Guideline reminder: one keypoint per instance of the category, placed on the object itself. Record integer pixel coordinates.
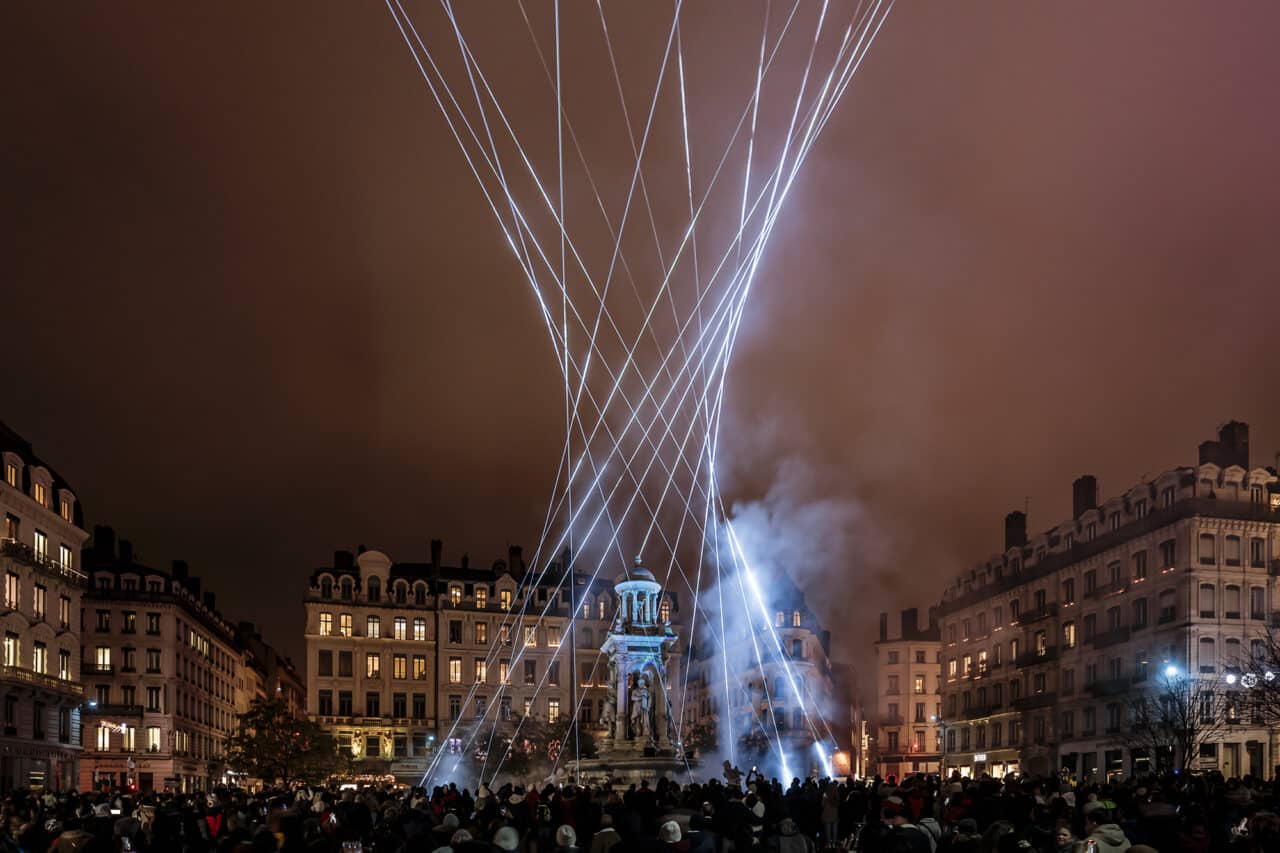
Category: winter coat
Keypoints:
(1110, 838)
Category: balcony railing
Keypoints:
(1032, 616)
(1110, 638)
(1110, 687)
(16, 674)
(1048, 654)
(24, 553)
(1111, 588)
(114, 709)
(975, 712)
(890, 720)
(1038, 700)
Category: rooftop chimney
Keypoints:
(884, 627)
(210, 601)
(104, 542)
(1015, 530)
(1231, 448)
(910, 622)
(126, 552)
(437, 547)
(1084, 495)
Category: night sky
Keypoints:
(255, 309)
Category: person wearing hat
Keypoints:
(566, 839)
(506, 839)
(1100, 827)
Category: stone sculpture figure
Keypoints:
(640, 709)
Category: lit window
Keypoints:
(553, 711)
(65, 509)
(504, 599)
(373, 627)
(40, 494)
(326, 624)
(455, 595)
(12, 590)
(153, 738)
(11, 474)
(104, 737)
(41, 546)
(399, 666)
(40, 658)
(482, 632)
(66, 557)
(795, 618)
(104, 659)
(455, 670)
(482, 670)
(600, 607)
(401, 628)
(779, 619)
(419, 629)
(482, 597)
(372, 665)
(553, 636)
(664, 610)
(531, 636)
(344, 624)
(126, 738)
(419, 667)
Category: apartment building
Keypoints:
(43, 582)
(161, 669)
(908, 696)
(1046, 644)
(406, 658)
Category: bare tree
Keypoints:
(1172, 722)
(1257, 676)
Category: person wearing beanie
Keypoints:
(566, 839)
(506, 839)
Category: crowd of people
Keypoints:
(919, 814)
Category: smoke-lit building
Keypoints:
(1046, 644)
(791, 695)
(160, 674)
(908, 696)
(39, 555)
(407, 658)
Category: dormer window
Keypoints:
(374, 590)
(40, 493)
(455, 595)
(664, 610)
(402, 592)
(347, 589)
(420, 594)
(326, 588)
(11, 474)
(64, 508)
(795, 618)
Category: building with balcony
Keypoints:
(908, 696)
(266, 674)
(160, 674)
(1046, 645)
(43, 583)
(404, 659)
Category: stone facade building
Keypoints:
(43, 582)
(1046, 644)
(161, 672)
(404, 659)
(908, 696)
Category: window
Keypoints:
(1068, 681)
(455, 630)
(64, 612)
(346, 704)
(531, 636)
(1139, 614)
(128, 661)
(40, 493)
(504, 599)
(982, 666)
(455, 707)
(1114, 620)
(1090, 581)
(153, 660)
(1168, 606)
(482, 597)
(419, 629)
(153, 623)
(40, 658)
(795, 619)
(326, 588)
(1257, 553)
(373, 707)
(372, 666)
(153, 699)
(455, 595)
(1257, 602)
(11, 474)
(1207, 549)
(919, 684)
(373, 627)
(419, 667)
(104, 658)
(455, 670)
(420, 594)
(1231, 551)
(481, 670)
(400, 628)
(1090, 626)
(664, 610)
(553, 673)
(1208, 659)
(12, 591)
(153, 736)
(1168, 553)
(951, 668)
(103, 622)
(1207, 607)
(64, 664)
(482, 633)
(104, 738)
(41, 546)
(1140, 565)
(1231, 602)
(326, 624)
(1069, 634)
(919, 657)
(530, 672)
(1206, 713)
(419, 706)
(553, 710)
(1140, 508)
(553, 636)
(892, 657)
(400, 669)
(66, 557)
(374, 590)
(893, 685)
(344, 624)
(346, 665)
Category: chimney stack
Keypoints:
(1231, 448)
(1084, 495)
(910, 622)
(884, 627)
(210, 601)
(104, 542)
(437, 547)
(126, 552)
(1015, 530)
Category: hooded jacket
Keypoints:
(1110, 838)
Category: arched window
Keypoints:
(402, 592)
(664, 609)
(420, 593)
(795, 618)
(1231, 602)
(347, 589)
(586, 607)
(1208, 655)
(1208, 609)
(326, 587)
(373, 589)
(778, 619)
(600, 606)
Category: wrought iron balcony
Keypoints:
(1048, 654)
(24, 553)
(1038, 700)
(1030, 617)
(29, 678)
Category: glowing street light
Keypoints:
(1170, 671)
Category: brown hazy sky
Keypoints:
(255, 310)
